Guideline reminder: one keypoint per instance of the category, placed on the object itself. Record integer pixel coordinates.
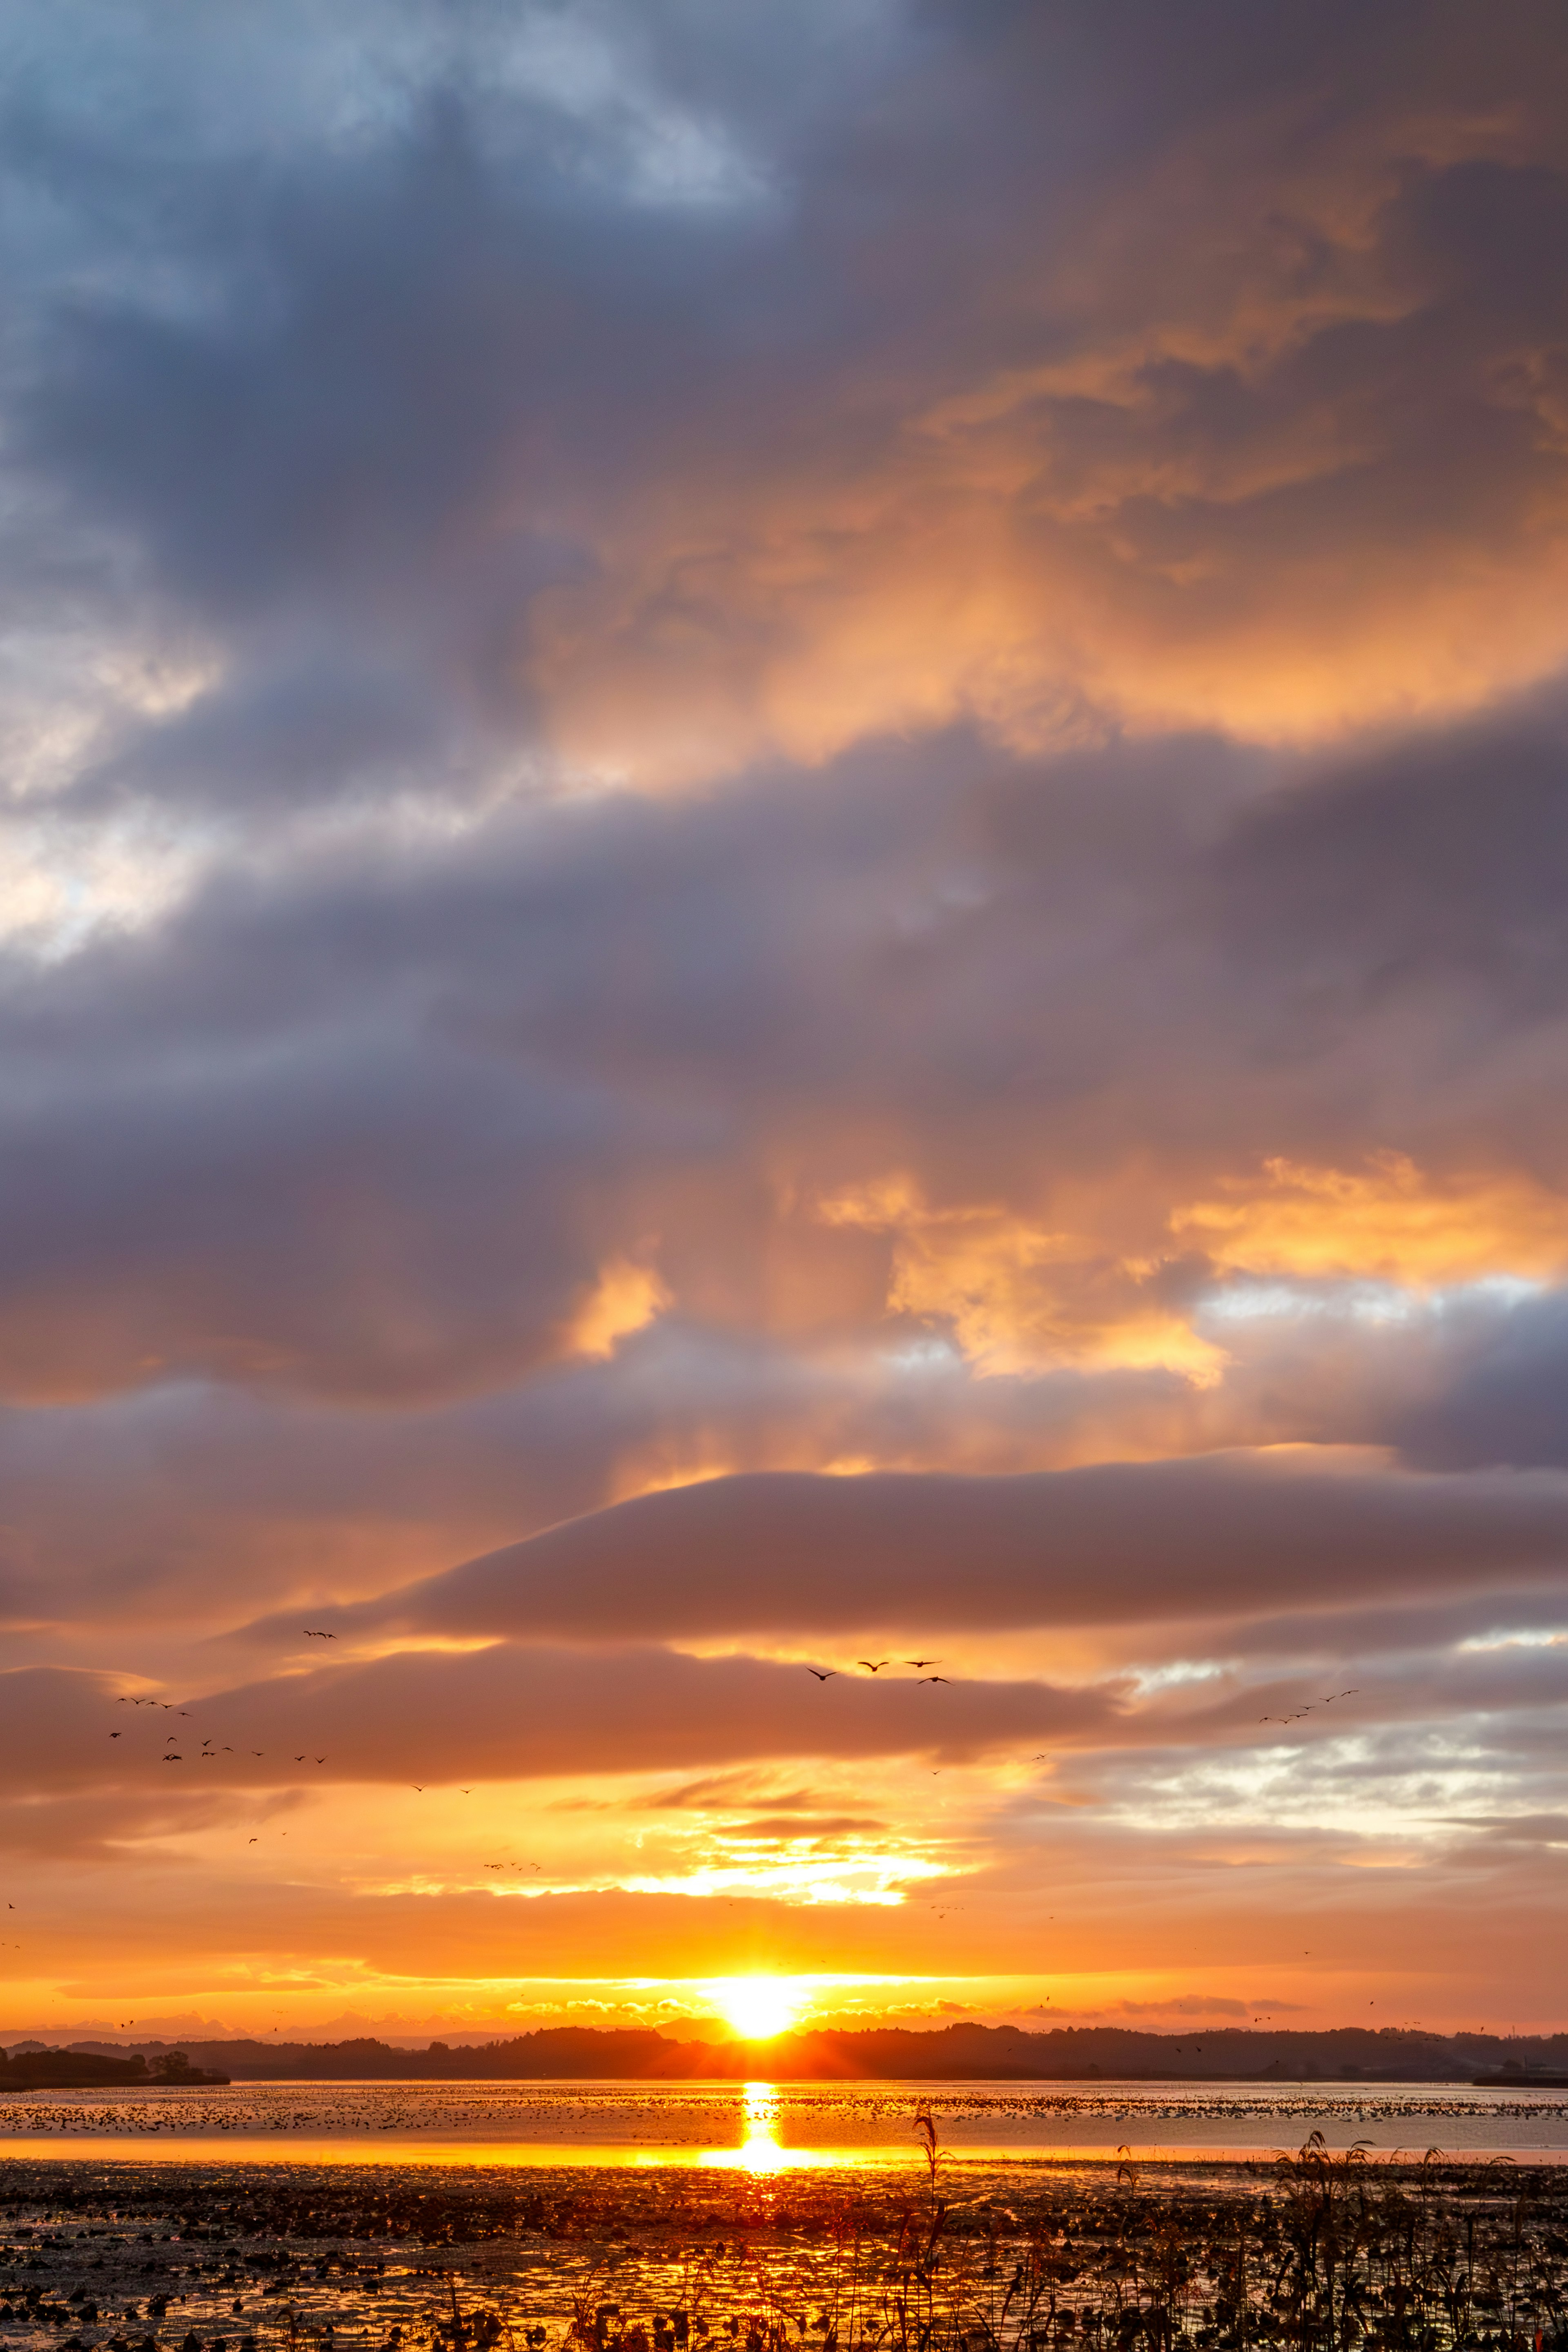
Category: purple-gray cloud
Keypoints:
(739, 745)
(787, 1552)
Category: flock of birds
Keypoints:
(211, 1749)
(875, 1666)
(1302, 1712)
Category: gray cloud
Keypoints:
(787, 1551)
(508, 1713)
(1067, 509)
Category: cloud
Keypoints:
(1018, 1299)
(564, 381)
(506, 1712)
(778, 1552)
(1386, 1222)
(784, 1037)
(740, 746)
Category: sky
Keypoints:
(785, 809)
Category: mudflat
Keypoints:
(1319, 2249)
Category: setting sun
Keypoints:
(756, 2008)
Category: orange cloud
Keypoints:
(626, 1298)
(1389, 1222)
(1240, 478)
(1019, 1298)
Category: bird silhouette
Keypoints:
(173, 1760)
(114, 1734)
(934, 1678)
(320, 1759)
(822, 1676)
(918, 1663)
(299, 1760)
(314, 1633)
(251, 1840)
(418, 1786)
(871, 1669)
(462, 1792)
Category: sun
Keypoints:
(756, 2008)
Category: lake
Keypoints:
(765, 2126)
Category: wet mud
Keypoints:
(1320, 2250)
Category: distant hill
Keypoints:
(31, 2067)
(953, 2053)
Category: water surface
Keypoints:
(763, 2126)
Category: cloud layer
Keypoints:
(784, 819)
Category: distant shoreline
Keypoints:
(1088, 2055)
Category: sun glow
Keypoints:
(756, 2008)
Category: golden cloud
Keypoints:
(1018, 1298)
(1389, 1220)
(626, 1298)
(1271, 470)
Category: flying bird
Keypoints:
(871, 1669)
(299, 1760)
(918, 1663)
(822, 1676)
(114, 1734)
(314, 1633)
(251, 1840)
(934, 1678)
(320, 1759)
(418, 1786)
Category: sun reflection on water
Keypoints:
(761, 2149)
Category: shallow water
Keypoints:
(299, 2255)
(760, 2127)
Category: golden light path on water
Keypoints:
(762, 2151)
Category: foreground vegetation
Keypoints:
(1318, 2252)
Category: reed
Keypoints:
(1330, 2253)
